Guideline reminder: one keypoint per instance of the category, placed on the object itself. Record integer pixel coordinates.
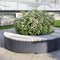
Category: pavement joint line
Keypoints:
(32, 57)
(10, 56)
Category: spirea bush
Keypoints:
(34, 22)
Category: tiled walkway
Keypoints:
(9, 55)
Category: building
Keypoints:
(21, 4)
(8, 8)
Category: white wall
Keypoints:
(21, 6)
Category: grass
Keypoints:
(57, 23)
(6, 27)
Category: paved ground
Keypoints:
(9, 55)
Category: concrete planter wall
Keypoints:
(33, 44)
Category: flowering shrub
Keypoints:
(34, 22)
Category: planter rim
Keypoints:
(27, 38)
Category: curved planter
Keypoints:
(32, 44)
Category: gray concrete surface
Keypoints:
(9, 55)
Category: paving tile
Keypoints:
(2, 50)
(2, 57)
(6, 55)
(43, 57)
(22, 56)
